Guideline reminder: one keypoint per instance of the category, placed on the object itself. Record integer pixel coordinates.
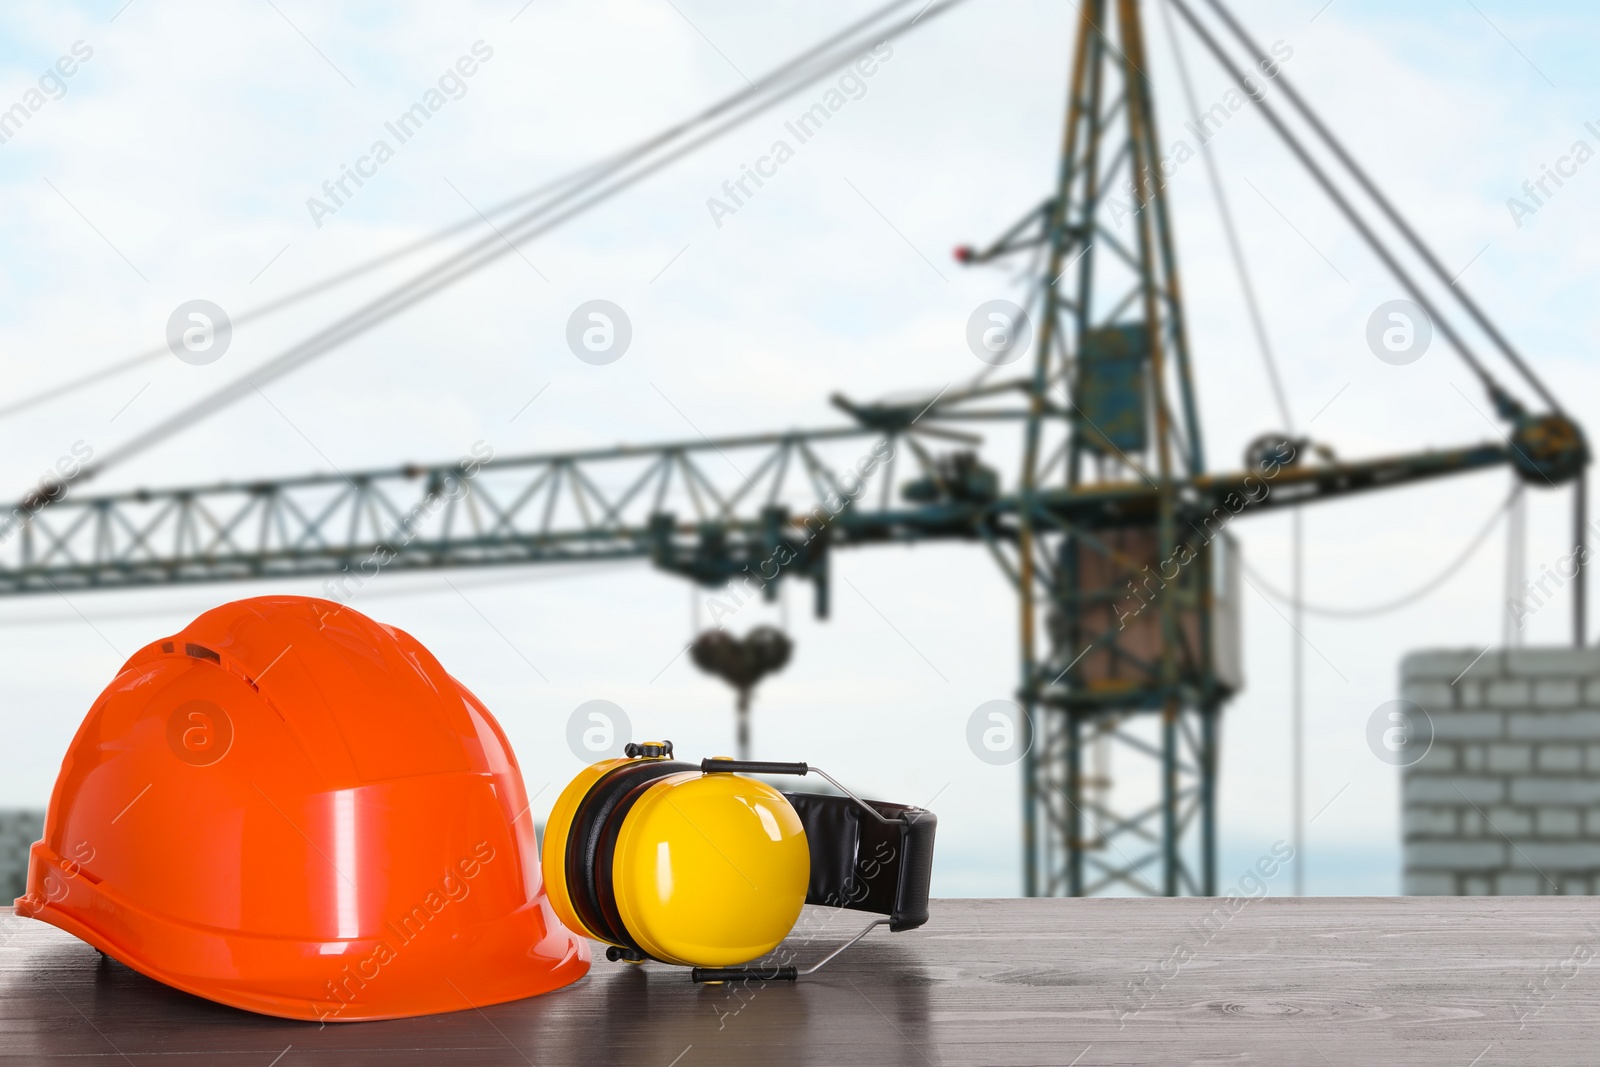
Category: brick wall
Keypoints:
(18, 830)
(1507, 800)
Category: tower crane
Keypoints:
(1113, 531)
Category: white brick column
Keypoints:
(1507, 801)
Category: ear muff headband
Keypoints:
(588, 890)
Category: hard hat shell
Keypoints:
(689, 868)
(293, 809)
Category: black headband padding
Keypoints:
(860, 863)
(598, 809)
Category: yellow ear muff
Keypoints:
(710, 869)
(705, 868)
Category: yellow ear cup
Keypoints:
(553, 852)
(710, 870)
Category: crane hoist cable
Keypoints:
(825, 54)
(1417, 594)
(1354, 217)
(1507, 406)
(1297, 533)
(1230, 231)
(1387, 207)
(502, 242)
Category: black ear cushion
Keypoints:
(589, 844)
(605, 858)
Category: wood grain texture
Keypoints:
(1318, 981)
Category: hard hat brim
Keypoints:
(519, 955)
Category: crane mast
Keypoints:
(1111, 399)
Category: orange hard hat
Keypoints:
(293, 809)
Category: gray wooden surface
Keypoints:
(1328, 982)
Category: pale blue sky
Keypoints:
(193, 138)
